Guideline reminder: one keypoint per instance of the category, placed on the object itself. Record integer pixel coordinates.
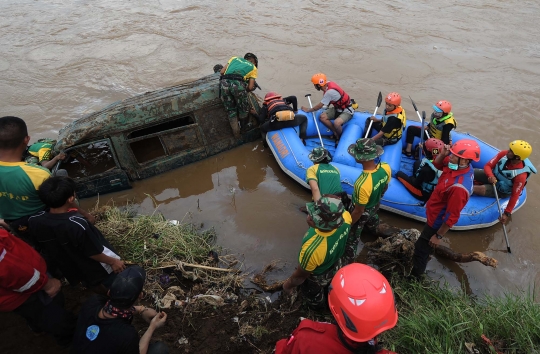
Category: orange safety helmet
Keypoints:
(443, 106)
(466, 149)
(393, 98)
(271, 96)
(433, 147)
(362, 302)
(319, 79)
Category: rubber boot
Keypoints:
(244, 124)
(235, 127)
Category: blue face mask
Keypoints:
(453, 166)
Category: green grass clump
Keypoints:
(437, 319)
(151, 240)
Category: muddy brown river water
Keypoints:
(62, 59)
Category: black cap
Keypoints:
(127, 287)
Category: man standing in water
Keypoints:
(450, 196)
(237, 79)
(322, 247)
(368, 191)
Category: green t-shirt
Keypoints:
(321, 250)
(41, 150)
(327, 177)
(369, 186)
(242, 67)
(19, 183)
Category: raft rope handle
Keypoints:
(299, 164)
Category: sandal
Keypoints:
(406, 153)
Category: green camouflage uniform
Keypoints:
(328, 214)
(233, 87)
(235, 98)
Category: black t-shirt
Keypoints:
(67, 241)
(391, 124)
(94, 335)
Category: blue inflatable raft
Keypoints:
(292, 157)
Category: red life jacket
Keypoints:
(344, 101)
(277, 105)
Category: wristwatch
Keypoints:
(507, 213)
(439, 236)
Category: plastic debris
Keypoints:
(214, 300)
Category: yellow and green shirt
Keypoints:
(327, 178)
(242, 67)
(41, 150)
(321, 250)
(19, 183)
(369, 187)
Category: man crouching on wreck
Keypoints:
(237, 79)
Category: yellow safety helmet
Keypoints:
(521, 148)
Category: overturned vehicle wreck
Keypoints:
(149, 134)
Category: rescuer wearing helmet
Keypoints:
(237, 79)
(441, 124)
(322, 248)
(422, 183)
(276, 113)
(342, 110)
(362, 303)
(392, 124)
(508, 171)
(449, 197)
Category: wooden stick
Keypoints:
(197, 266)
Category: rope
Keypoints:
(299, 164)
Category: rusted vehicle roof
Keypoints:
(149, 134)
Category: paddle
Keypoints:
(379, 101)
(422, 136)
(420, 118)
(500, 214)
(314, 119)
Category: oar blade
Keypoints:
(379, 99)
(414, 104)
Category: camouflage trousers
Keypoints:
(315, 288)
(235, 98)
(370, 221)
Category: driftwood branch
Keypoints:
(395, 248)
(171, 265)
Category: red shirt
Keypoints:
(447, 200)
(22, 271)
(518, 181)
(316, 337)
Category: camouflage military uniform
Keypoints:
(323, 247)
(370, 221)
(235, 98)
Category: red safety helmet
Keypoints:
(443, 106)
(466, 149)
(362, 302)
(319, 79)
(271, 96)
(393, 98)
(433, 147)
